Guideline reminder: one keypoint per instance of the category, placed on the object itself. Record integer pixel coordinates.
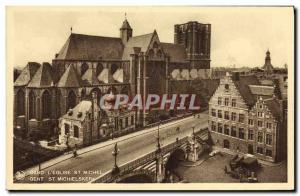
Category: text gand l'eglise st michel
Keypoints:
(59, 102)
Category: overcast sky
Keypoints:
(239, 36)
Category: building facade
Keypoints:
(80, 125)
(246, 117)
(85, 64)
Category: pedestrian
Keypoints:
(225, 169)
(75, 151)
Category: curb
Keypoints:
(65, 157)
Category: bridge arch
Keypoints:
(175, 157)
(138, 176)
(172, 163)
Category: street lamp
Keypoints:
(158, 139)
(159, 159)
(115, 153)
(194, 145)
(194, 133)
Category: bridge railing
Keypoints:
(144, 159)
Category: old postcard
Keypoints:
(150, 98)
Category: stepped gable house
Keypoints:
(126, 64)
(247, 117)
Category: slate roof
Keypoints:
(274, 106)
(79, 111)
(119, 75)
(262, 90)
(141, 41)
(89, 47)
(105, 76)
(89, 78)
(70, 78)
(242, 84)
(176, 52)
(125, 25)
(44, 77)
(27, 74)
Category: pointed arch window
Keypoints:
(151, 53)
(46, 105)
(20, 105)
(114, 68)
(59, 101)
(159, 54)
(71, 100)
(84, 67)
(99, 68)
(32, 107)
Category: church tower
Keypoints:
(268, 67)
(195, 37)
(125, 31)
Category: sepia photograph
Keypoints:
(150, 98)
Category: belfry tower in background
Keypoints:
(196, 39)
(268, 67)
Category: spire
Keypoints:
(125, 31)
(71, 29)
(126, 25)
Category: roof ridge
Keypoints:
(142, 35)
(87, 35)
(171, 43)
(91, 47)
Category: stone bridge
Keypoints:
(152, 167)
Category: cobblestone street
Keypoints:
(212, 170)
